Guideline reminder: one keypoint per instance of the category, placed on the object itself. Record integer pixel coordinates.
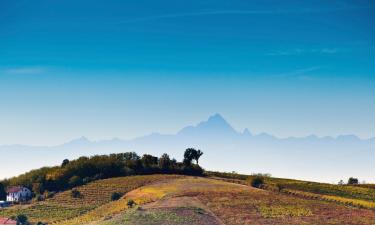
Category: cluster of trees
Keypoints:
(351, 181)
(47, 180)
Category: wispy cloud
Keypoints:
(25, 70)
(302, 74)
(241, 12)
(299, 51)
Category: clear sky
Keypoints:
(104, 69)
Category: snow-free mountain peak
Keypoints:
(77, 142)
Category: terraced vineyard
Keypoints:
(63, 206)
(346, 191)
(354, 195)
(215, 202)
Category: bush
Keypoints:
(352, 181)
(257, 181)
(115, 196)
(76, 194)
(87, 180)
(280, 187)
(39, 197)
(21, 219)
(131, 203)
(75, 181)
(49, 194)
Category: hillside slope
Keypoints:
(207, 201)
(93, 195)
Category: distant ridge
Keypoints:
(225, 149)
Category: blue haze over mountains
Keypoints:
(325, 159)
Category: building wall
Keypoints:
(15, 197)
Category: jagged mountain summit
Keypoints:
(215, 125)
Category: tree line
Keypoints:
(69, 174)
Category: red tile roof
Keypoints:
(7, 221)
(14, 189)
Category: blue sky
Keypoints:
(106, 69)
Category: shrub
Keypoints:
(76, 194)
(352, 181)
(39, 197)
(257, 181)
(75, 181)
(86, 180)
(49, 194)
(115, 196)
(131, 203)
(280, 187)
(21, 219)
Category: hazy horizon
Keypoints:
(222, 145)
(194, 124)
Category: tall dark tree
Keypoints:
(192, 154)
(149, 160)
(189, 156)
(65, 162)
(165, 161)
(130, 156)
(197, 155)
(3, 193)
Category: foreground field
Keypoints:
(207, 201)
(183, 200)
(93, 195)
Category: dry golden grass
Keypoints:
(233, 204)
(239, 204)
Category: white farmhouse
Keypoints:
(18, 194)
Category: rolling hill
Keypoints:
(215, 199)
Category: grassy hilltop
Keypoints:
(180, 198)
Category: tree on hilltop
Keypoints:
(65, 162)
(352, 181)
(165, 161)
(192, 154)
(198, 154)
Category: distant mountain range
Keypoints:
(225, 149)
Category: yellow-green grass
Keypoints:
(95, 194)
(346, 201)
(360, 192)
(283, 211)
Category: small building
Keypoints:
(18, 194)
(6, 221)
